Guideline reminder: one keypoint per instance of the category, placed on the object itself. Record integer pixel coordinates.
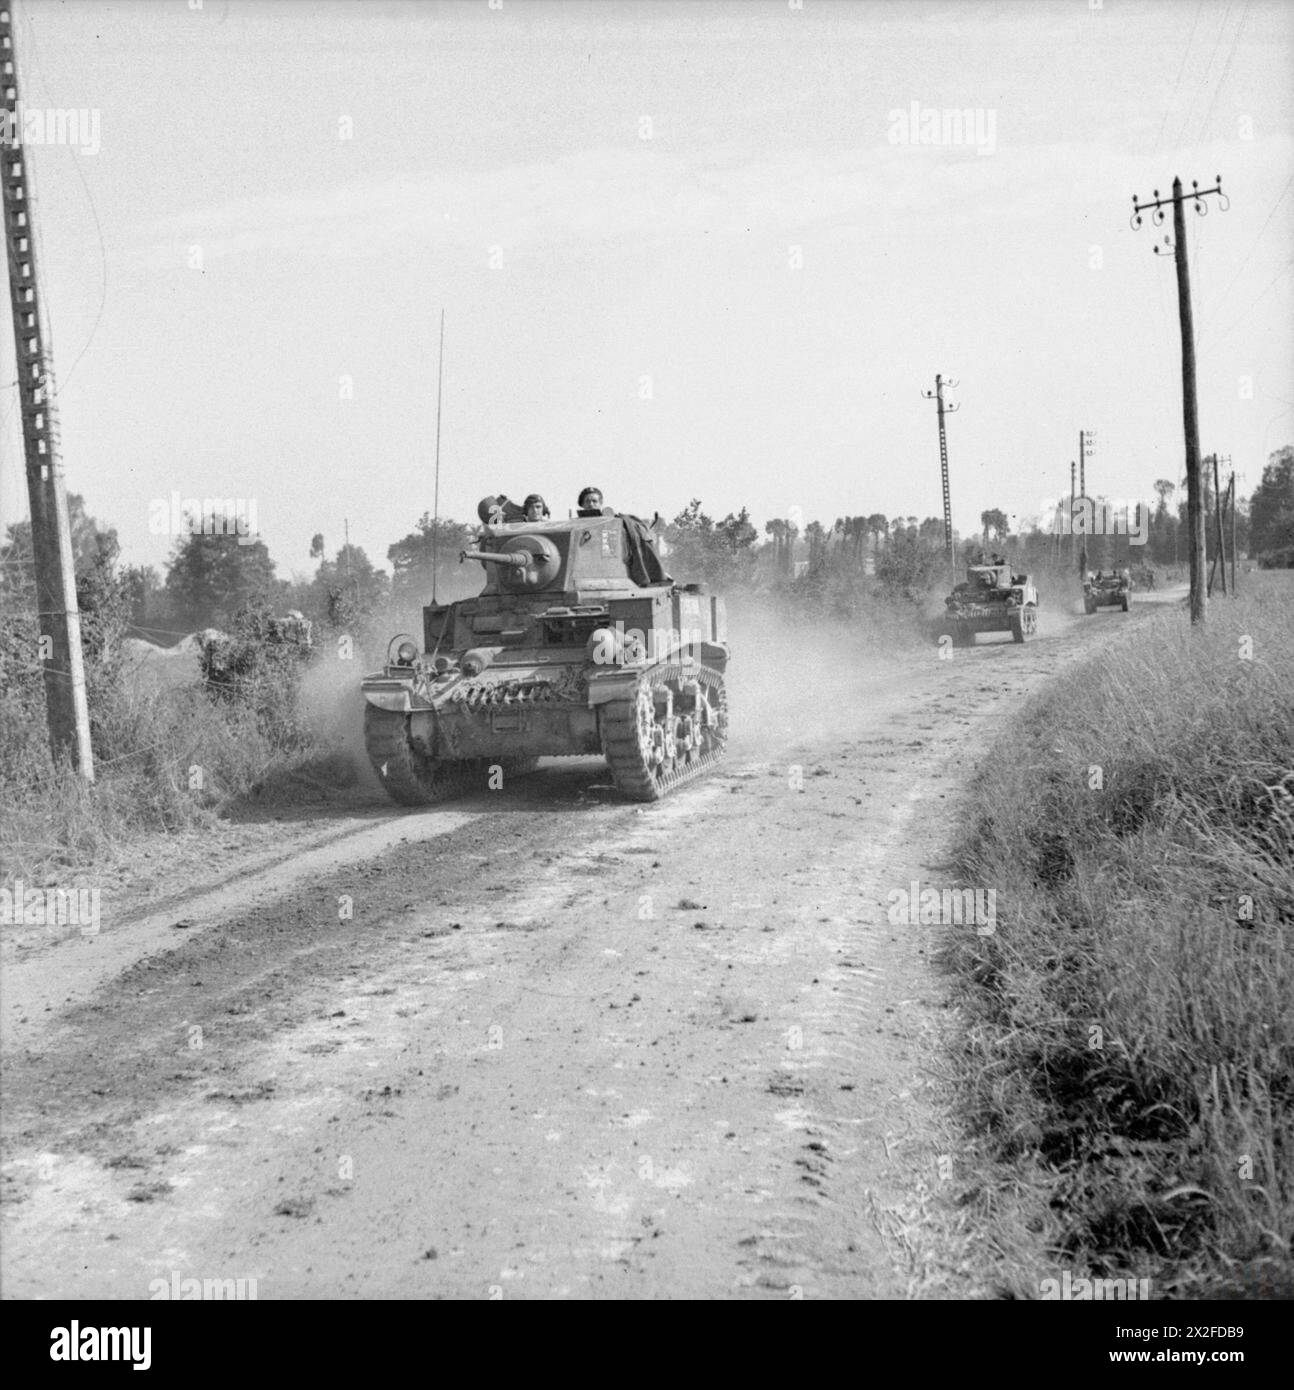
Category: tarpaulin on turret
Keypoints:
(640, 553)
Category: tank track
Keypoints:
(634, 734)
(412, 779)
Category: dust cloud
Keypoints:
(790, 681)
(793, 680)
(332, 710)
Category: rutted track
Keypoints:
(568, 1047)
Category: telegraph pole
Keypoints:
(1084, 448)
(1219, 505)
(937, 395)
(1231, 495)
(59, 620)
(1073, 482)
(1190, 413)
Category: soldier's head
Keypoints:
(536, 507)
(590, 500)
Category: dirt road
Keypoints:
(541, 1044)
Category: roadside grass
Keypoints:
(1127, 1056)
(168, 759)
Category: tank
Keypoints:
(1107, 589)
(992, 598)
(579, 643)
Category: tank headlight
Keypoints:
(406, 654)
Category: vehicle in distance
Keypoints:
(1107, 589)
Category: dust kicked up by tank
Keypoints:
(646, 655)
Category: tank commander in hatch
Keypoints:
(536, 507)
(589, 502)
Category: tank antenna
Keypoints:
(435, 531)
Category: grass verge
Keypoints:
(1128, 1050)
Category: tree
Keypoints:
(411, 557)
(1271, 508)
(994, 520)
(210, 577)
(348, 589)
(1163, 539)
(736, 532)
(783, 534)
(718, 552)
(17, 566)
(908, 564)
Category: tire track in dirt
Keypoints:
(503, 1062)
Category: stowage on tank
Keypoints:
(578, 644)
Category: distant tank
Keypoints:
(579, 643)
(1107, 589)
(991, 599)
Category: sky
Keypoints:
(683, 249)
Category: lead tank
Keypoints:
(578, 644)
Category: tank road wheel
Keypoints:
(669, 730)
(1024, 623)
(410, 777)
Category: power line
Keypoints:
(1280, 275)
(1288, 185)
(94, 213)
(1186, 53)
(1204, 81)
(1231, 53)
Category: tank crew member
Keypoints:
(536, 507)
(589, 502)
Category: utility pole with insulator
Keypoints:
(937, 395)
(1190, 413)
(1084, 448)
(58, 618)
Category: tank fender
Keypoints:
(611, 684)
(392, 694)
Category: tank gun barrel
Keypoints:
(516, 560)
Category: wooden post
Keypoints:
(59, 620)
(1217, 514)
(1231, 494)
(1190, 413)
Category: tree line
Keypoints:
(208, 578)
